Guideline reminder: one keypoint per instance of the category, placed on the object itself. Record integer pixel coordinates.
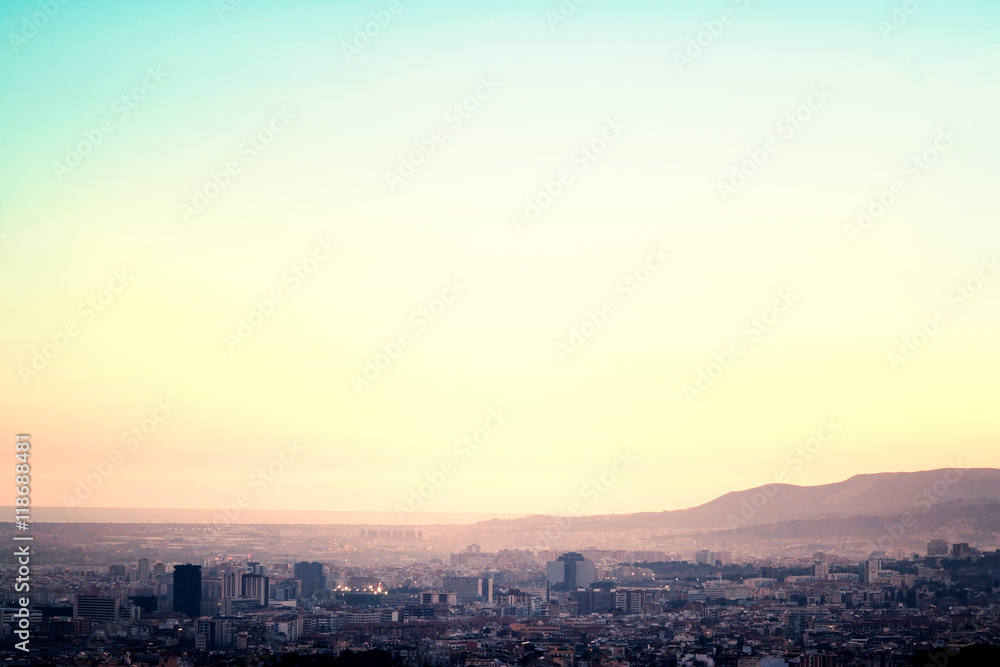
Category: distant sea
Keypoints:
(252, 516)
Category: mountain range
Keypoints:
(857, 506)
(872, 495)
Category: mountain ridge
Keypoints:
(865, 494)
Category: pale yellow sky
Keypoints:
(317, 267)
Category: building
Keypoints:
(470, 589)
(797, 624)
(145, 603)
(240, 606)
(288, 589)
(96, 608)
(516, 598)
(821, 570)
(256, 587)
(572, 570)
(209, 636)
(593, 601)
(116, 572)
(229, 585)
(142, 570)
(362, 617)
(871, 568)
(937, 547)
(11, 616)
(630, 600)
(963, 549)
(311, 576)
(707, 557)
(187, 590)
(435, 597)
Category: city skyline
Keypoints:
(386, 598)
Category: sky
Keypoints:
(495, 257)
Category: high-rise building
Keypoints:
(211, 593)
(937, 547)
(256, 587)
(470, 589)
(797, 624)
(311, 576)
(187, 590)
(961, 549)
(871, 567)
(289, 589)
(821, 570)
(116, 572)
(230, 585)
(96, 608)
(142, 570)
(571, 569)
(159, 569)
(708, 557)
(209, 636)
(593, 601)
(629, 600)
(145, 603)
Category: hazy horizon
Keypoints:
(153, 514)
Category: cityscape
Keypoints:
(506, 333)
(190, 594)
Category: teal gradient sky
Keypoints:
(163, 335)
